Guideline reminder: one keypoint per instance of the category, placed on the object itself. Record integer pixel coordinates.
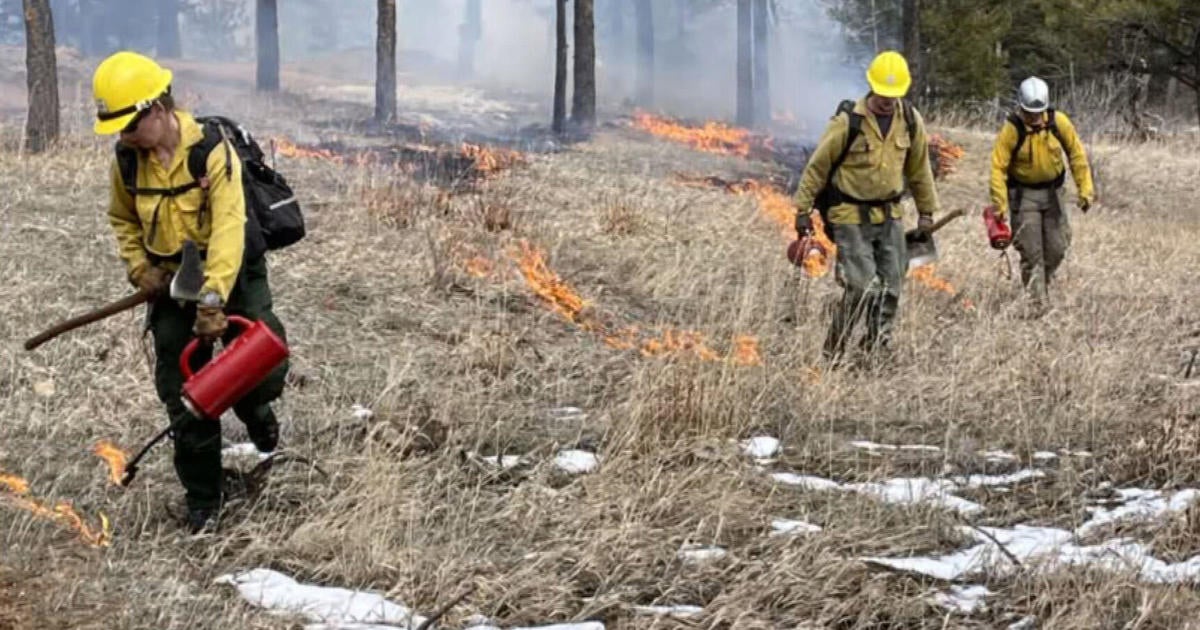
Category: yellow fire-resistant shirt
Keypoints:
(214, 219)
(1040, 160)
(876, 167)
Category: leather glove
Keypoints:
(1085, 204)
(925, 224)
(210, 323)
(151, 279)
(803, 224)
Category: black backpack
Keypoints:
(273, 216)
(1052, 126)
(830, 196)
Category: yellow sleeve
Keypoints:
(1080, 170)
(821, 161)
(122, 215)
(227, 205)
(918, 171)
(1002, 149)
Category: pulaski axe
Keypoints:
(922, 250)
(185, 285)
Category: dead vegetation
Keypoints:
(406, 300)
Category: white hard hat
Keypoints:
(1034, 95)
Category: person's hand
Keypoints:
(1085, 204)
(210, 323)
(803, 224)
(151, 279)
(925, 224)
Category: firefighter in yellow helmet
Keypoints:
(1028, 172)
(870, 152)
(155, 205)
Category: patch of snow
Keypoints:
(911, 491)
(1070, 453)
(998, 457)
(321, 604)
(873, 446)
(576, 462)
(963, 599)
(1045, 456)
(1139, 505)
(678, 612)
(981, 481)
(361, 413)
(783, 526)
(695, 554)
(1024, 623)
(761, 447)
(1045, 548)
(807, 482)
(243, 450)
(568, 413)
(900, 490)
(587, 625)
(505, 462)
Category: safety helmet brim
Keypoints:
(114, 126)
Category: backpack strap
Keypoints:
(910, 120)
(853, 131)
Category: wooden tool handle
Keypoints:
(107, 310)
(950, 216)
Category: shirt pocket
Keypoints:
(860, 153)
(194, 216)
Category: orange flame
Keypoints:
(548, 286)
(287, 148)
(745, 351)
(490, 161)
(782, 210)
(948, 155)
(18, 495)
(564, 300)
(926, 276)
(479, 266)
(114, 457)
(713, 137)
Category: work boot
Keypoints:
(264, 433)
(201, 520)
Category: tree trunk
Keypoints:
(385, 63)
(560, 65)
(583, 104)
(644, 14)
(168, 29)
(762, 63)
(745, 64)
(469, 33)
(910, 25)
(267, 35)
(41, 68)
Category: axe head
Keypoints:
(189, 279)
(921, 249)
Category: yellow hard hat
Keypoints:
(124, 84)
(888, 75)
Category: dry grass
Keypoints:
(383, 313)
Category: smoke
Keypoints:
(811, 65)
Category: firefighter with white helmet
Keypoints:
(1030, 158)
